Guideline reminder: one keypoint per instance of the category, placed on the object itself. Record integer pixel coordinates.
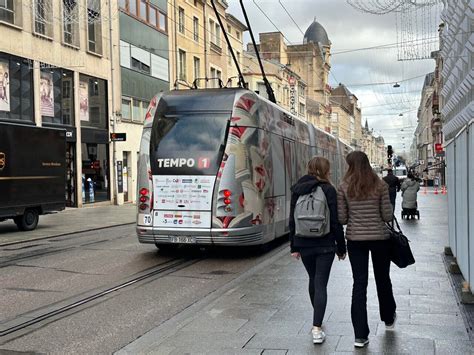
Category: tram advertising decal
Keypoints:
(183, 192)
(182, 219)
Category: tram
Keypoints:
(216, 167)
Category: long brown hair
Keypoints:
(362, 182)
(320, 168)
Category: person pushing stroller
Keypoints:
(410, 188)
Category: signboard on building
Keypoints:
(4, 86)
(46, 94)
(292, 82)
(119, 176)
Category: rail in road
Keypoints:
(25, 321)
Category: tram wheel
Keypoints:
(28, 221)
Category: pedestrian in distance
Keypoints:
(410, 188)
(393, 183)
(316, 234)
(364, 205)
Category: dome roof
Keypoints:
(316, 34)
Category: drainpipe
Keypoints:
(176, 65)
(205, 41)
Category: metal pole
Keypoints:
(114, 118)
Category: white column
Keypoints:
(36, 93)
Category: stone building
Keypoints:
(58, 60)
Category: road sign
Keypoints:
(118, 137)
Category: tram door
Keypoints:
(290, 175)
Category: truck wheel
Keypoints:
(28, 221)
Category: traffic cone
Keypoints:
(424, 190)
(443, 190)
(436, 190)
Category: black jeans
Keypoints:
(359, 258)
(318, 263)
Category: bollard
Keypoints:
(424, 190)
(443, 190)
(436, 190)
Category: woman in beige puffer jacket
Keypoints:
(364, 205)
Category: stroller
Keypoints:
(410, 188)
(410, 213)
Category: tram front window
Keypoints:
(188, 144)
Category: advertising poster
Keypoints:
(4, 86)
(46, 94)
(181, 192)
(84, 101)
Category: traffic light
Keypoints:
(389, 155)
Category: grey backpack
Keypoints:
(312, 216)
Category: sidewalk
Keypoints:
(71, 220)
(267, 310)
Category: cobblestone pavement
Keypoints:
(267, 310)
(71, 220)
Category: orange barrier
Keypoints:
(443, 190)
(436, 190)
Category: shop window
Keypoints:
(56, 96)
(10, 12)
(95, 177)
(93, 102)
(16, 89)
(94, 27)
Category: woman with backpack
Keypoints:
(324, 236)
(364, 205)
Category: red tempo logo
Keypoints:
(204, 163)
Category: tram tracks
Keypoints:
(26, 322)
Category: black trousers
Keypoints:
(318, 265)
(359, 258)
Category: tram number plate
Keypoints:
(182, 239)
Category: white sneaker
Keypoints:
(318, 336)
(361, 342)
(391, 326)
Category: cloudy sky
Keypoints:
(368, 73)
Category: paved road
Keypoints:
(43, 275)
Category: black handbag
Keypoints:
(400, 251)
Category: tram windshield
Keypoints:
(188, 144)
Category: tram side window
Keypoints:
(278, 160)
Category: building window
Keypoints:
(132, 57)
(16, 95)
(197, 68)
(94, 33)
(93, 102)
(8, 11)
(229, 55)
(181, 20)
(237, 33)
(134, 109)
(145, 12)
(196, 29)
(56, 96)
(212, 26)
(229, 30)
(70, 24)
(218, 35)
(43, 16)
(182, 65)
(140, 60)
(334, 117)
(126, 108)
(301, 110)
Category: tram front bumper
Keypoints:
(214, 236)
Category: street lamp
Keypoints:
(396, 85)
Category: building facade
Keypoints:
(288, 87)
(56, 72)
(311, 62)
(346, 116)
(373, 146)
(197, 44)
(142, 72)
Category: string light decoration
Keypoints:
(45, 11)
(416, 24)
